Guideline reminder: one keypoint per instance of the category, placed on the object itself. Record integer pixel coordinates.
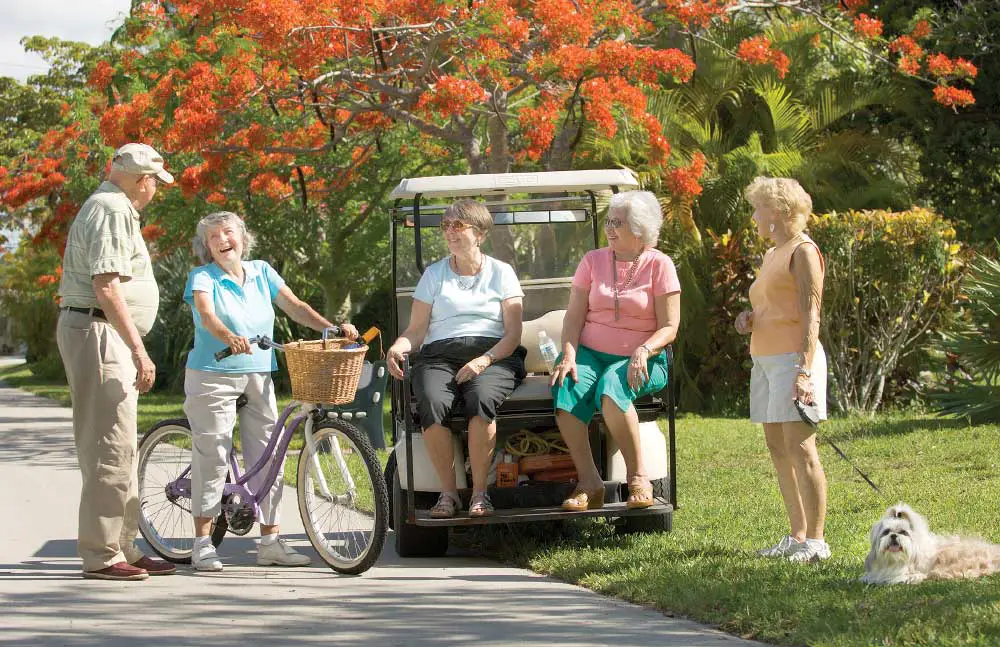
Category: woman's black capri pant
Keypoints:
(438, 393)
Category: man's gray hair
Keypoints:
(641, 211)
(199, 244)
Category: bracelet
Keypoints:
(649, 351)
(803, 371)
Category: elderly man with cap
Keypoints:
(109, 302)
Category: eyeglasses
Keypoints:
(614, 223)
(455, 225)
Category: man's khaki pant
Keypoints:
(102, 385)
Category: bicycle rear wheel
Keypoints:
(343, 499)
(165, 520)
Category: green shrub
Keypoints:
(29, 278)
(891, 281)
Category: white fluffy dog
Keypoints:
(904, 550)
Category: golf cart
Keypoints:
(543, 225)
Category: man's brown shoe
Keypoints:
(155, 566)
(120, 571)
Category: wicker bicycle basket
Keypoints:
(324, 371)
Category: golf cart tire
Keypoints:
(650, 523)
(412, 541)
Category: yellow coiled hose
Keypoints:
(528, 443)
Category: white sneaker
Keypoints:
(783, 548)
(813, 550)
(206, 559)
(280, 554)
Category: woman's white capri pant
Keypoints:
(210, 406)
(772, 386)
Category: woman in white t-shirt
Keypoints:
(466, 323)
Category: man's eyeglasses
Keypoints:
(614, 223)
(454, 225)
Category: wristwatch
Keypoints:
(804, 371)
(493, 358)
(649, 351)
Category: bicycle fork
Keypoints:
(338, 455)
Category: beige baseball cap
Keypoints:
(141, 159)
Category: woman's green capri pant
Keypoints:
(601, 374)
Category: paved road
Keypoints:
(452, 601)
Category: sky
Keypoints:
(90, 21)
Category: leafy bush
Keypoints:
(172, 336)
(975, 344)
(891, 280)
(30, 281)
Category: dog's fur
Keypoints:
(904, 550)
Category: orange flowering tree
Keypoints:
(301, 115)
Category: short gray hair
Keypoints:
(199, 244)
(641, 211)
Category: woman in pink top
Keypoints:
(788, 360)
(623, 310)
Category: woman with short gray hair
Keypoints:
(232, 298)
(623, 311)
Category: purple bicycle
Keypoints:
(342, 496)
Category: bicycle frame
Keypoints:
(277, 447)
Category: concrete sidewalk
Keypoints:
(452, 601)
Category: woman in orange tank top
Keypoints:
(789, 365)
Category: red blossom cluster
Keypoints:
(451, 96)
(906, 46)
(561, 23)
(100, 77)
(685, 181)
(539, 126)
(867, 27)
(758, 50)
(921, 30)
(940, 65)
(699, 13)
(953, 97)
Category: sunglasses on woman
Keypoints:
(455, 225)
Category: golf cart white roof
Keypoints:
(447, 186)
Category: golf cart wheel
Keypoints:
(411, 540)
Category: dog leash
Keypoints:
(856, 468)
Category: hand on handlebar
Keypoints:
(239, 345)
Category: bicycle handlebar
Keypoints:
(263, 342)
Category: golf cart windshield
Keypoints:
(541, 238)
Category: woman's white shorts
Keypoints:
(772, 386)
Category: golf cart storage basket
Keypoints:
(323, 371)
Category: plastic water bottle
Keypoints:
(548, 349)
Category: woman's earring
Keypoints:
(771, 228)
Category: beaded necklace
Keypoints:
(628, 277)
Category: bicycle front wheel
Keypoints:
(164, 473)
(343, 499)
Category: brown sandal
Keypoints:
(582, 500)
(640, 496)
(447, 505)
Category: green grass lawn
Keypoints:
(729, 507)
(706, 568)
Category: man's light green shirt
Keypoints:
(106, 238)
